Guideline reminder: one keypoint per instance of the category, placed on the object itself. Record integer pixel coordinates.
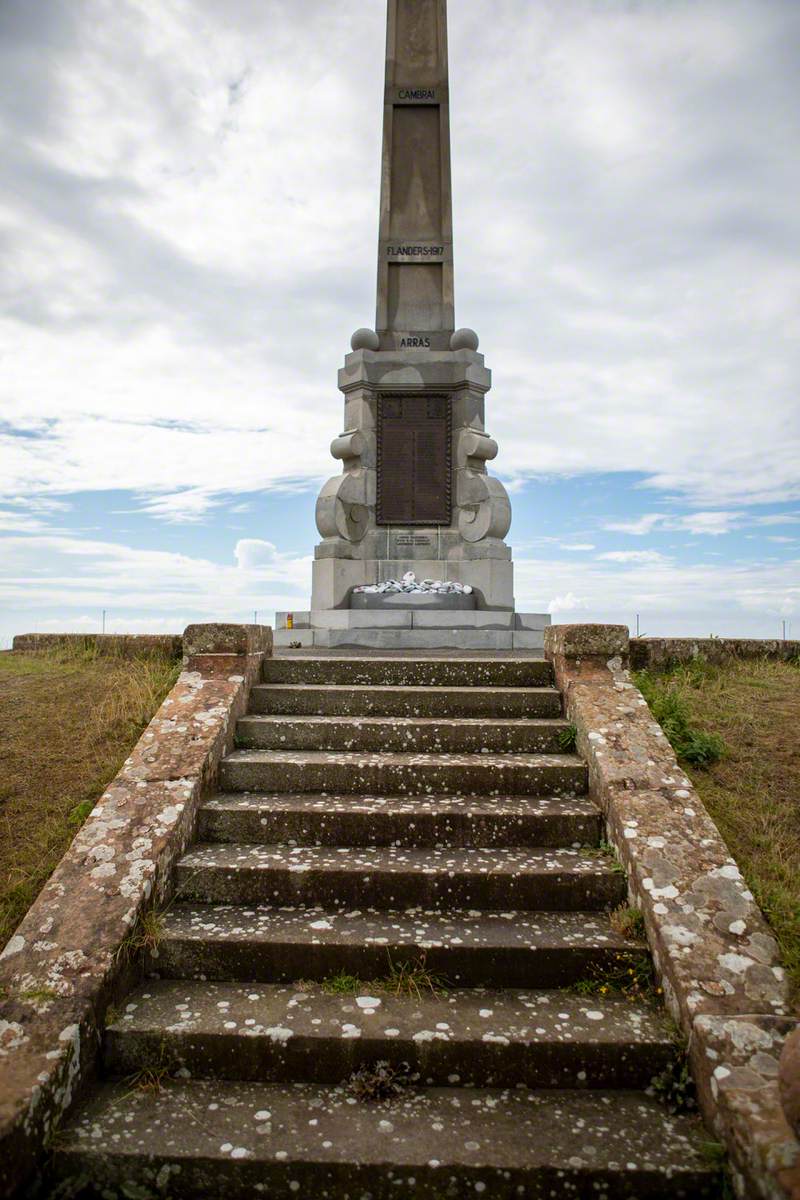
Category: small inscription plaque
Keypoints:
(415, 95)
(407, 541)
(414, 460)
(412, 250)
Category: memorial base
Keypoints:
(412, 629)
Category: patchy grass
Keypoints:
(413, 978)
(753, 791)
(402, 979)
(144, 937)
(628, 922)
(629, 976)
(674, 1086)
(567, 738)
(153, 1076)
(669, 704)
(606, 851)
(342, 984)
(69, 719)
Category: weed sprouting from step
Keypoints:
(716, 1155)
(568, 738)
(629, 976)
(674, 1087)
(380, 1081)
(605, 850)
(413, 978)
(342, 984)
(145, 936)
(151, 1077)
(628, 922)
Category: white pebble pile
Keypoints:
(410, 583)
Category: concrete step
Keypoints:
(410, 735)
(340, 699)
(462, 774)
(386, 877)
(475, 1038)
(197, 1138)
(314, 819)
(469, 948)
(409, 672)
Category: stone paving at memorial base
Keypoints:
(237, 1065)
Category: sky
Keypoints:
(188, 237)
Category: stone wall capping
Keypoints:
(661, 653)
(715, 955)
(68, 960)
(226, 639)
(113, 645)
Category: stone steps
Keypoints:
(390, 816)
(475, 1038)
(410, 672)
(385, 877)
(468, 948)
(327, 770)
(314, 819)
(408, 735)
(200, 1138)
(353, 699)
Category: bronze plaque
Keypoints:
(414, 460)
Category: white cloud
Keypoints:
(710, 523)
(190, 238)
(251, 553)
(567, 603)
(633, 556)
(577, 546)
(638, 527)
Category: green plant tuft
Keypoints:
(568, 738)
(628, 922)
(668, 704)
(674, 1087)
(631, 976)
(342, 984)
(413, 978)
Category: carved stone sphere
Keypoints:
(464, 339)
(365, 339)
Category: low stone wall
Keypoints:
(715, 955)
(658, 654)
(113, 645)
(69, 957)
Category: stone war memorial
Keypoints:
(424, 907)
(415, 500)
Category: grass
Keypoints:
(342, 984)
(402, 979)
(629, 976)
(152, 1076)
(567, 738)
(69, 719)
(753, 790)
(669, 704)
(628, 922)
(607, 851)
(144, 937)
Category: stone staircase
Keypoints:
(383, 812)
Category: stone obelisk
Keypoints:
(415, 307)
(414, 493)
